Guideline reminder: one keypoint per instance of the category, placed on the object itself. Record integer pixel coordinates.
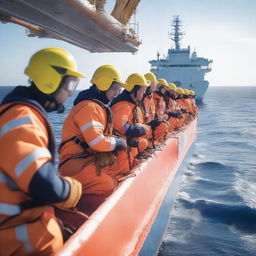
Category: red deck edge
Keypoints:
(121, 224)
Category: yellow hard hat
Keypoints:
(105, 75)
(151, 77)
(180, 90)
(47, 67)
(191, 92)
(135, 79)
(172, 86)
(186, 91)
(162, 82)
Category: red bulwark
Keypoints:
(121, 224)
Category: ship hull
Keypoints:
(184, 79)
(133, 219)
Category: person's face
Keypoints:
(141, 91)
(173, 92)
(153, 87)
(67, 88)
(161, 88)
(62, 95)
(113, 91)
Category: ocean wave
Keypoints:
(230, 144)
(225, 132)
(211, 165)
(207, 184)
(246, 189)
(242, 217)
(249, 131)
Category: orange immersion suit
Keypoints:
(24, 142)
(88, 121)
(181, 104)
(149, 110)
(193, 105)
(128, 120)
(160, 105)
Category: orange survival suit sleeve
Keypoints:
(92, 120)
(24, 142)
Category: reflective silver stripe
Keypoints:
(97, 140)
(112, 143)
(26, 161)
(22, 235)
(127, 126)
(7, 180)
(92, 123)
(9, 209)
(14, 124)
(3, 178)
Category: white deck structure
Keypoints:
(181, 66)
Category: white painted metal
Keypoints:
(74, 21)
(182, 67)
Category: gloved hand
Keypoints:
(172, 114)
(154, 123)
(120, 144)
(132, 142)
(103, 159)
(74, 194)
(145, 127)
(179, 114)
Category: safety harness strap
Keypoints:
(83, 144)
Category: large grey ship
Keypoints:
(181, 66)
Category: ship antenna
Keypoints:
(177, 34)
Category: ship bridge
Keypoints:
(182, 58)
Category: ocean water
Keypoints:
(215, 209)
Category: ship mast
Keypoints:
(177, 34)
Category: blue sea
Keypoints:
(215, 209)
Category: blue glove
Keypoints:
(154, 123)
(172, 114)
(120, 144)
(132, 142)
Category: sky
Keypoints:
(221, 30)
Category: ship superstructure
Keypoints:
(181, 66)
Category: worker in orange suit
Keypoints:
(189, 106)
(181, 104)
(149, 110)
(128, 117)
(158, 96)
(88, 147)
(172, 110)
(29, 183)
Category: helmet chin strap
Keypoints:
(52, 105)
